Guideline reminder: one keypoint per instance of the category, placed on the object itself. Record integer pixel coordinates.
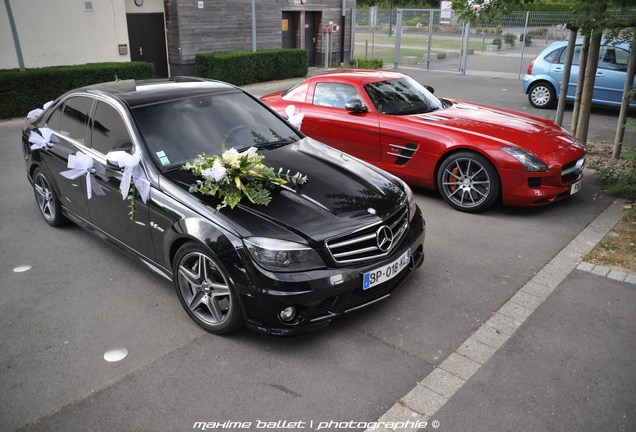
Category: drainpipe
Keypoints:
(14, 33)
(342, 34)
(253, 25)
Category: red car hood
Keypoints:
(532, 133)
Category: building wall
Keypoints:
(221, 25)
(61, 32)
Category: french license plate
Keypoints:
(575, 187)
(387, 272)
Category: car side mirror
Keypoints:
(114, 157)
(429, 88)
(356, 106)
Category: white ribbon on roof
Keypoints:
(36, 112)
(79, 165)
(42, 140)
(132, 171)
(295, 119)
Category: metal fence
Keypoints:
(422, 38)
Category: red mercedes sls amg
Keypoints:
(473, 154)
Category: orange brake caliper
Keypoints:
(453, 178)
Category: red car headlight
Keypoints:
(529, 161)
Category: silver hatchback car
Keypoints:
(543, 81)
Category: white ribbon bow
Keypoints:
(36, 112)
(132, 170)
(42, 140)
(295, 119)
(81, 164)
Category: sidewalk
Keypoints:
(558, 355)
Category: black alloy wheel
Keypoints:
(204, 290)
(47, 200)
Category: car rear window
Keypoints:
(554, 56)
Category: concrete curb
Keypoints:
(429, 395)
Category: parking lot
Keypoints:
(81, 297)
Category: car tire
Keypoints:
(204, 290)
(47, 199)
(468, 182)
(542, 95)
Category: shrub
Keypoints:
(499, 29)
(441, 55)
(21, 92)
(510, 38)
(498, 42)
(527, 37)
(620, 178)
(247, 67)
(359, 63)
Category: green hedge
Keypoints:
(20, 92)
(247, 67)
(360, 63)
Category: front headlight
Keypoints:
(281, 255)
(411, 199)
(530, 162)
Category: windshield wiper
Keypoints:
(275, 144)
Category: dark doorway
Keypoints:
(312, 22)
(289, 27)
(147, 37)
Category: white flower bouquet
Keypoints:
(233, 175)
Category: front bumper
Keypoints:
(319, 296)
(533, 189)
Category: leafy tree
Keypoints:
(592, 18)
(475, 11)
(414, 4)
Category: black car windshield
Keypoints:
(177, 131)
(402, 96)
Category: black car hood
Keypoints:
(342, 194)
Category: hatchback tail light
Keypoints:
(530, 67)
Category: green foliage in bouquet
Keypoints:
(231, 176)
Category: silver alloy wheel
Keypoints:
(466, 182)
(44, 197)
(204, 289)
(541, 96)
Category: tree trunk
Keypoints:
(579, 83)
(622, 117)
(585, 111)
(565, 83)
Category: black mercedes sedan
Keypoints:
(200, 181)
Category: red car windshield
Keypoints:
(402, 96)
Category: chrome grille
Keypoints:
(362, 245)
(571, 171)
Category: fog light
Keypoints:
(288, 314)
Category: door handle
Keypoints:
(558, 69)
(141, 51)
(600, 74)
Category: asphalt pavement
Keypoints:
(505, 328)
